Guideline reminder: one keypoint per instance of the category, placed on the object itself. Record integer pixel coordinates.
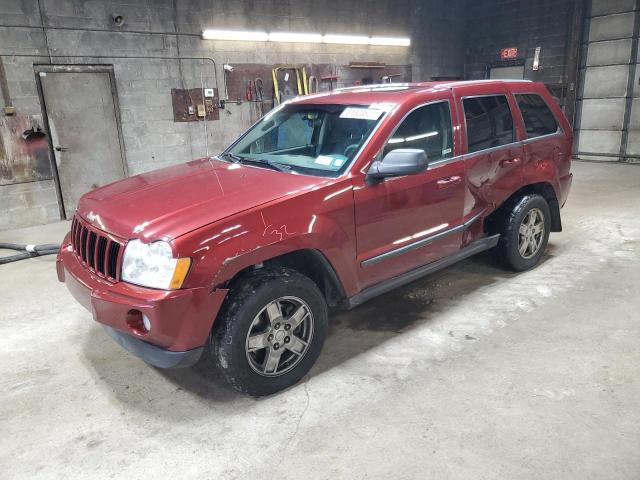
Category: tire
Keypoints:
(249, 337)
(516, 230)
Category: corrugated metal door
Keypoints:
(608, 111)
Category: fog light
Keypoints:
(146, 322)
(137, 322)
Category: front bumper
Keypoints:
(180, 319)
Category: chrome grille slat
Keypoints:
(95, 249)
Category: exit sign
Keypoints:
(508, 53)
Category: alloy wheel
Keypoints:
(531, 233)
(279, 336)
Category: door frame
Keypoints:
(38, 69)
(505, 63)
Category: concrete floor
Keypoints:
(473, 373)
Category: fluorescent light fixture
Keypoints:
(235, 35)
(391, 41)
(295, 37)
(347, 39)
(239, 35)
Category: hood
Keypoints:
(176, 200)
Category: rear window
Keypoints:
(489, 122)
(538, 118)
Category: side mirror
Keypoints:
(398, 163)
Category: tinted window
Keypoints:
(537, 116)
(489, 122)
(427, 128)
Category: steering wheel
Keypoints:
(350, 149)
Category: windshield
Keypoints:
(309, 139)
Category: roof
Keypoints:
(391, 92)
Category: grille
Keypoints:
(96, 250)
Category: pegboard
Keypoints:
(237, 81)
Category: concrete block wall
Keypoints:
(83, 32)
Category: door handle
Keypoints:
(510, 161)
(60, 149)
(449, 182)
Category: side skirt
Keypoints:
(412, 275)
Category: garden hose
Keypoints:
(27, 251)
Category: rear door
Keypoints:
(406, 222)
(545, 140)
(494, 154)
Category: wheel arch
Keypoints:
(309, 262)
(544, 189)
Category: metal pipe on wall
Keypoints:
(124, 57)
(4, 87)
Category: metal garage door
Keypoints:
(608, 110)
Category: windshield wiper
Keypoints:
(234, 158)
(280, 167)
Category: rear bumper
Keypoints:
(565, 187)
(180, 319)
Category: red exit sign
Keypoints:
(507, 53)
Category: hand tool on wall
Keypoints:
(330, 79)
(284, 92)
(389, 78)
(313, 84)
(258, 86)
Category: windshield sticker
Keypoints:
(361, 113)
(324, 160)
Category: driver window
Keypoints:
(427, 128)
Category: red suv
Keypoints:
(329, 200)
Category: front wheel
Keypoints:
(524, 233)
(270, 332)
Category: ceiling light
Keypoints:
(346, 39)
(235, 35)
(239, 35)
(295, 37)
(391, 41)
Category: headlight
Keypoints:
(152, 265)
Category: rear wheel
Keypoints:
(270, 331)
(524, 233)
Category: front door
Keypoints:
(405, 222)
(81, 114)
